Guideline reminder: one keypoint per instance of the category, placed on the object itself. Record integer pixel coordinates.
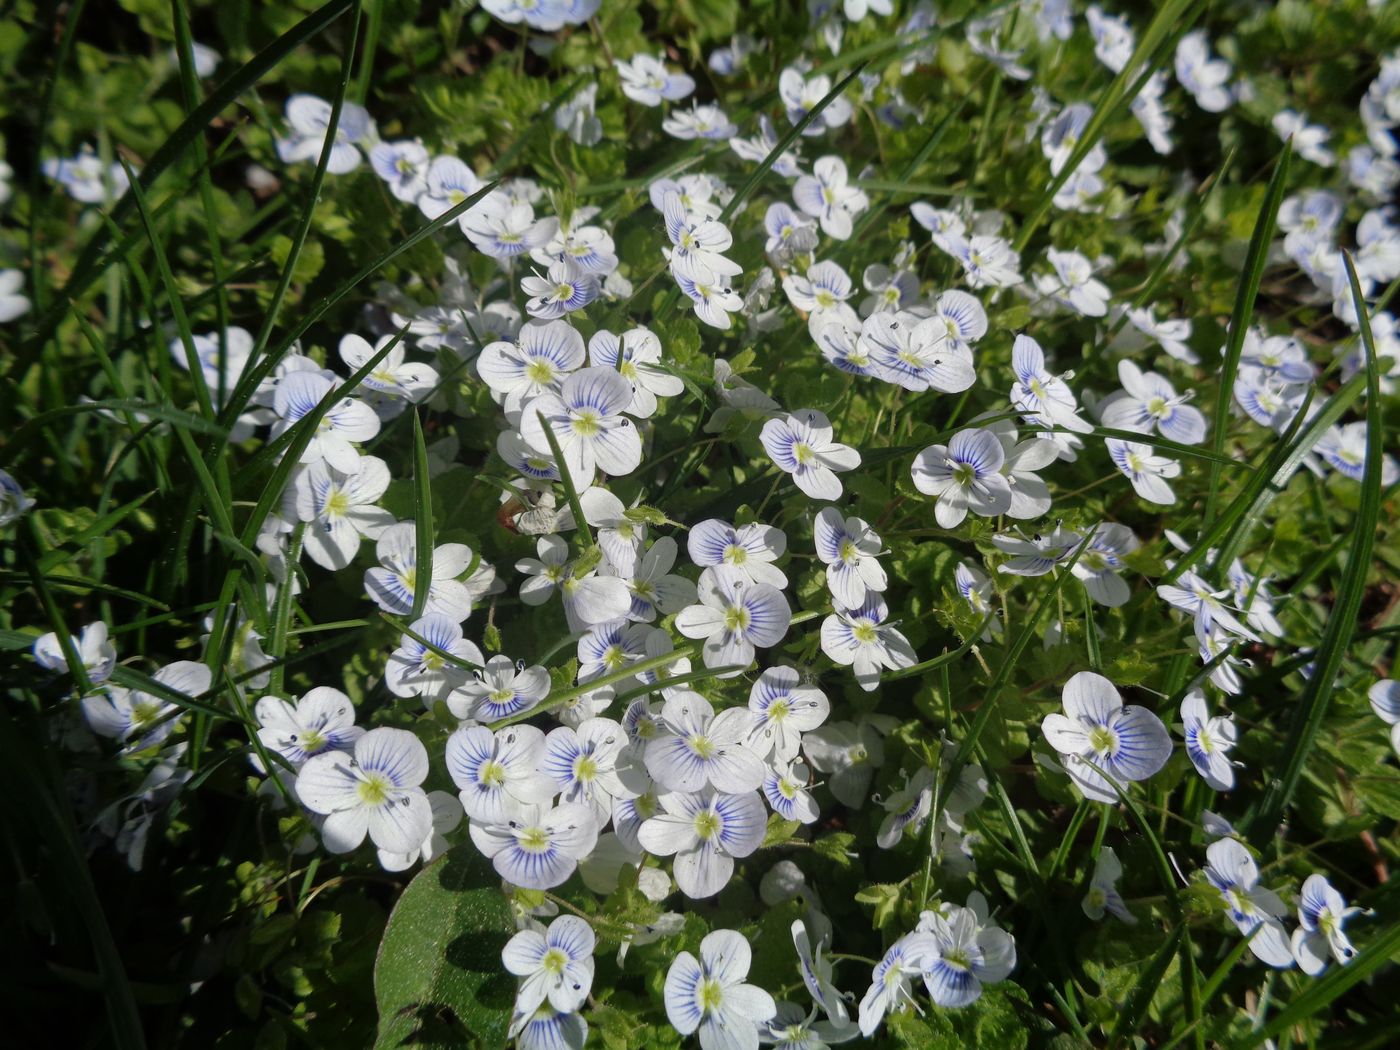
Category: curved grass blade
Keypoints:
(1341, 623)
(1253, 274)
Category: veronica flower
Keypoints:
(916, 354)
(988, 261)
(726, 61)
(339, 509)
(346, 422)
(498, 772)
(1253, 596)
(87, 179)
(587, 421)
(1344, 450)
(403, 166)
(562, 290)
(800, 95)
(749, 550)
(1208, 741)
(583, 764)
(13, 302)
(1103, 892)
(859, 638)
(1073, 284)
(1113, 38)
(374, 789)
(637, 357)
(789, 234)
(393, 583)
(140, 719)
(546, 1028)
(1192, 594)
(705, 831)
(504, 230)
(556, 965)
(1385, 702)
(309, 118)
(1152, 114)
(1322, 911)
(738, 398)
(537, 847)
(1148, 402)
(699, 122)
(646, 80)
(1215, 645)
(712, 303)
(449, 183)
(968, 952)
(542, 356)
(733, 617)
(500, 689)
(1101, 562)
(1206, 78)
(822, 291)
(756, 149)
(13, 502)
(827, 196)
(1146, 470)
(694, 748)
(849, 548)
(97, 654)
(588, 598)
(414, 669)
(708, 995)
(1255, 910)
(655, 589)
(1309, 140)
(785, 788)
(964, 475)
(446, 816)
(1103, 743)
(781, 709)
(1061, 136)
(892, 979)
(1170, 335)
(909, 807)
(976, 589)
(817, 976)
(800, 443)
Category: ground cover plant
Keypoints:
(558, 524)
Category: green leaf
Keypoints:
(438, 979)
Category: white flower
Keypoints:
(375, 789)
(817, 975)
(757, 149)
(1098, 567)
(309, 118)
(646, 80)
(1037, 555)
(1060, 136)
(537, 847)
(1103, 892)
(892, 979)
(87, 179)
(13, 502)
(694, 748)
(909, 807)
(1209, 741)
(1170, 335)
(1149, 402)
(1046, 399)
(699, 122)
(849, 548)
(13, 302)
(733, 617)
(1096, 730)
(1142, 466)
(706, 831)
(414, 669)
(546, 1028)
(393, 584)
(697, 246)
(97, 654)
(403, 166)
(579, 119)
(750, 549)
(587, 421)
(322, 720)
(498, 772)
(1206, 78)
(1113, 38)
(800, 95)
(655, 589)
(583, 764)
(709, 995)
(1073, 284)
(1322, 911)
(542, 356)
(339, 509)
(827, 196)
(785, 786)
(987, 261)
(964, 475)
(916, 353)
(499, 690)
(564, 288)
(859, 638)
(712, 302)
(345, 422)
(449, 183)
(446, 815)
(637, 358)
(1309, 140)
(1254, 909)
(800, 443)
(968, 951)
(556, 965)
(1385, 702)
(789, 234)
(142, 719)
